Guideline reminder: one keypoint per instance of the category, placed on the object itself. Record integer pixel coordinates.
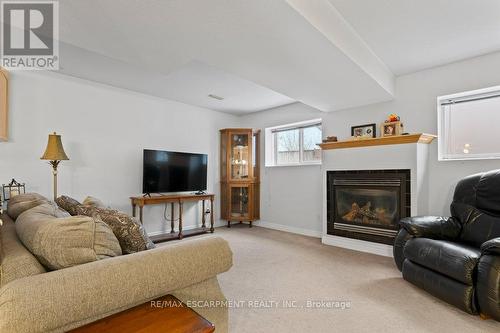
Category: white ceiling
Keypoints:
(190, 83)
(195, 81)
(411, 35)
(261, 41)
(258, 54)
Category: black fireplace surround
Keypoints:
(367, 204)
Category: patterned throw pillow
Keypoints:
(128, 230)
(68, 204)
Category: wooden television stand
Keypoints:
(173, 199)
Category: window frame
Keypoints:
(444, 129)
(294, 126)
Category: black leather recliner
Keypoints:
(457, 258)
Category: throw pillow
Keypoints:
(128, 230)
(94, 202)
(66, 241)
(22, 202)
(49, 209)
(68, 204)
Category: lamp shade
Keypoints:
(55, 150)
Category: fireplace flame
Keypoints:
(366, 214)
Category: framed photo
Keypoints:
(4, 84)
(391, 128)
(364, 131)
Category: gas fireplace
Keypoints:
(367, 204)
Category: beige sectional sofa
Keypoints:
(33, 299)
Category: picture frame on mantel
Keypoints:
(391, 128)
(4, 105)
(364, 131)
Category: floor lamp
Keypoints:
(55, 154)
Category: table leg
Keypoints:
(172, 218)
(140, 213)
(180, 219)
(203, 213)
(212, 215)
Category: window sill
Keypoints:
(294, 165)
(461, 159)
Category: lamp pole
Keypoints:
(54, 164)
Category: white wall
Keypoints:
(292, 195)
(104, 130)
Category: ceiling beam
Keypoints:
(326, 19)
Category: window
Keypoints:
(468, 125)
(294, 144)
(287, 146)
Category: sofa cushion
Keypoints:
(68, 204)
(60, 242)
(15, 260)
(454, 260)
(128, 230)
(94, 202)
(21, 203)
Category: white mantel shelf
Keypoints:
(388, 140)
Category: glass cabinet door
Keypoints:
(239, 155)
(240, 197)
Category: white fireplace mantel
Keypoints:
(413, 156)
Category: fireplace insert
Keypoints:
(367, 204)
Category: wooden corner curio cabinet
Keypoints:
(240, 175)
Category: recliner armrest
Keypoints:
(491, 247)
(434, 227)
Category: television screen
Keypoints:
(167, 171)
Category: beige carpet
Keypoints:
(272, 265)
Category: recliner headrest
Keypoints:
(481, 191)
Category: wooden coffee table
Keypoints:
(165, 314)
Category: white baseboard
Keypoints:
(287, 228)
(358, 245)
(219, 223)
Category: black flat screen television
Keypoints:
(168, 171)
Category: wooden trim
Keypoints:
(256, 170)
(388, 140)
(167, 198)
(4, 105)
(236, 130)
